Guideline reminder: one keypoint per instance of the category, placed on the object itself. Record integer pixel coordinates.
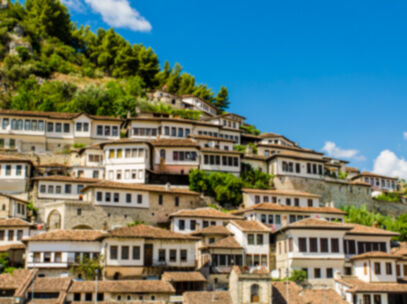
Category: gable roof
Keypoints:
(18, 280)
(163, 142)
(250, 226)
(375, 255)
(50, 284)
(282, 208)
(68, 235)
(226, 243)
(140, 187)
(212, 230)
(204, 213)
(206, 297)
(123, 286)
(356, 285)
(183, 276)
(148, 232)
(366, 230)
(311, 223)
(14, 222)
(55, 115)
(371, 174)
(13, 159)
(61, 178)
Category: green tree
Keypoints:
(88, 268)
(50, 17)
(222, 100)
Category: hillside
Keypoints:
(47, 63)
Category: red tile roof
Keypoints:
(226, 243)
(213, 230)
(207, 297)
(250, 226)
(311, 223)
(357, 285)
(375, 255)
(148, 232)
(14, 222)
(366, 230)
(282, 208)
(204, 213)
(69, 235)
(183, 276)
(281, 192)
(123, 286)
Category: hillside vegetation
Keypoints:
(48, 63)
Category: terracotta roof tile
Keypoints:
(375, 255)
(51, 115)
(321, 296)
(366, 230)
(213, 138)
(213, 230)
(220, 151)
(204, 213)
(13, 159)
(14, 222)
(279, 294)
(277, 207)
(357, 285)
(14, 198)
(60, 178)
(250, 226)
(123, 286)
(371, 174)
(13, 246)
(183, 276)
(281, 192)
(351, 169)
(206, 297)
(141, 187)
(227, 243)
(311, 223)
(69, 235)
(51, 284)
(149, 232)
(18, 280)
(256, 157)
(163, 142)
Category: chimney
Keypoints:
(375, 225)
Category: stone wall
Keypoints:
(75, 214)
(338, 191)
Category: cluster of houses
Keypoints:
(79, 190)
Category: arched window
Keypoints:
(254, 293)
(162, 154)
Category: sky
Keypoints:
(330, 75)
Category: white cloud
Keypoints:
(119, 13)
(405, 135)
(334, 151)
(388, 163)
(74, 4)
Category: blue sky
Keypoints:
(315, 71)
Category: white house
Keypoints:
(127, 160)
(15, 173)
(53, 253)
(253, 236)
(127, 250)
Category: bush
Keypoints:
(298, 276)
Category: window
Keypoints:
(193, 225)
(297, 202)
(161, 255)
(58, 257)
(50, 127)
(77, 297)
(47, 257)
(176, 201)
(389, 269)
(160, 199)
(88, 297)
(250, 239)
(43, 188)
(254, 293)
(18, 170)
(139, 199)
(377, 269)
(290, 245)
(259, 239)
(8, 170)
(50, 189)
(136, 252)
(79, 211)
(115, 131)
(317, 273)
(125, 252)
(310, 203)
(302, 244)
(128, 198)
(329, 273)
(297, 168)
(113, 252)
(183, 255)
(313, 244)
(66, 128)
(107, 130)
(58, 127)
(377, 299)
(334, 245)
(173, 255)
(100, 297)
(324, 244)
(288, 202)
(181, 225)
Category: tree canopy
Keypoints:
(51, 43)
